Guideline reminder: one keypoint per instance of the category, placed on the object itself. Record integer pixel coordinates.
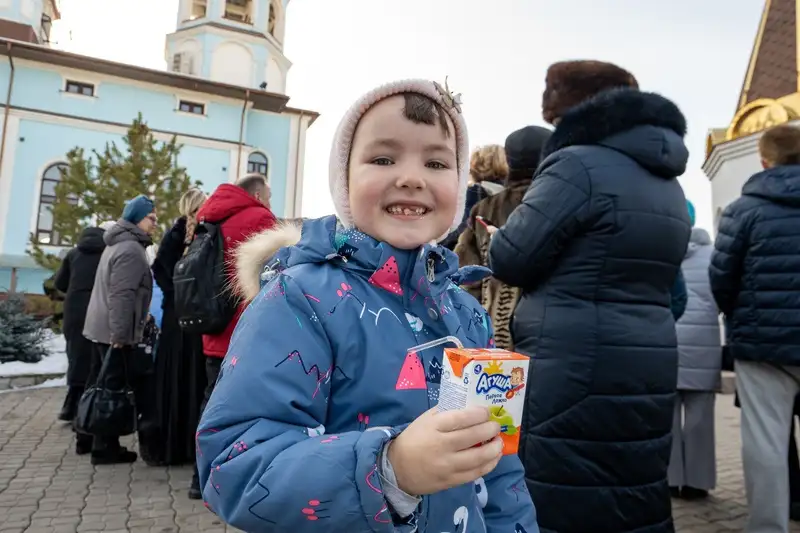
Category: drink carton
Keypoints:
(493, 378)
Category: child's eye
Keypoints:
(383, 161)
(438, 165)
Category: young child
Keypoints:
(322, 420)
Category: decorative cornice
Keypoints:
(721, 153)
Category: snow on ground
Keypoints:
(55, 363)
(50, 383)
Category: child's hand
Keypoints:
(437, 451)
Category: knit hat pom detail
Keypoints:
(343, 141)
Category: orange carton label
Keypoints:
(492, 378)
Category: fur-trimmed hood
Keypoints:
(325, 240)
(645, 126)
(253, 254)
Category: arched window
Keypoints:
(47, 198)
(257, 163)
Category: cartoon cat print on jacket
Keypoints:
(319, 376)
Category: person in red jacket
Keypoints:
(243, 209)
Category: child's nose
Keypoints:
(408, 178)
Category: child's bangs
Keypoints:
(421, 109)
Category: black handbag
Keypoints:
(104, 411)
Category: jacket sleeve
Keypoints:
(127, 270)
(526, 248)
(468, 252)
(169, 253)
(678, 296)
(61, 281)
(725, 270)
(467, 248)
(266, 463)
(508, 503)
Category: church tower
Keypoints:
(28, 20)
(769, 95)
(239, 42)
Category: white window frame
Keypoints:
(37, 202)
(269, 163)
(189, 99)
(65, 79)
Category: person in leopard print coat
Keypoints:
(523, 153)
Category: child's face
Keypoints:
(403, 177)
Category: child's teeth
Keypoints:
(397, 210)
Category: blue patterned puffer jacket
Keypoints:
(318, 378)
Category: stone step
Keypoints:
(728, 382)
(18, 382)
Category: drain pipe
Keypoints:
(8, 105)
(241, 131)
(297, 184)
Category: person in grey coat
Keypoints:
(118, 308)
(692, 467)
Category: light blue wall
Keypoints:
(43, 144)
(28, 280)
(47, 142)
(206, 164)
(118, 102)
(270, 134)
(5, 279)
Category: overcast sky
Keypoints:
(494, 52)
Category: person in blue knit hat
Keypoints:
(137, 210)
(118, 310)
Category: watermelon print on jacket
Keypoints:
(319, 377)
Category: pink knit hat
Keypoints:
(343, 141)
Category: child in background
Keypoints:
(322, 418)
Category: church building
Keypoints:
(222, 93)
(770, 95)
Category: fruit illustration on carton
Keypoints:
(492, 378)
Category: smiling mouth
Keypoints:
(407, 211)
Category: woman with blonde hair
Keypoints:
(180, 370)
(488, 170)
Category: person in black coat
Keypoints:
(754, 279)
(596, 246)
(75, 278)
(179, 362)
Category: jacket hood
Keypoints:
(698, 239)
(324, 240)
(646, 127)
(126, 231)
(91, 241)
(226, 201)
(780, 185)
(491, 187)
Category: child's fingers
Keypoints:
(460, 419)
(478, 460)
(463, 439)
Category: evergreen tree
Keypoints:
(95, 186)
(22, 336)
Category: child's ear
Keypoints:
(765, 164)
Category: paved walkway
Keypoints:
(46, 488)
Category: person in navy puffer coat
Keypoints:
(325, 414)
(755, 278)
(596, 245)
